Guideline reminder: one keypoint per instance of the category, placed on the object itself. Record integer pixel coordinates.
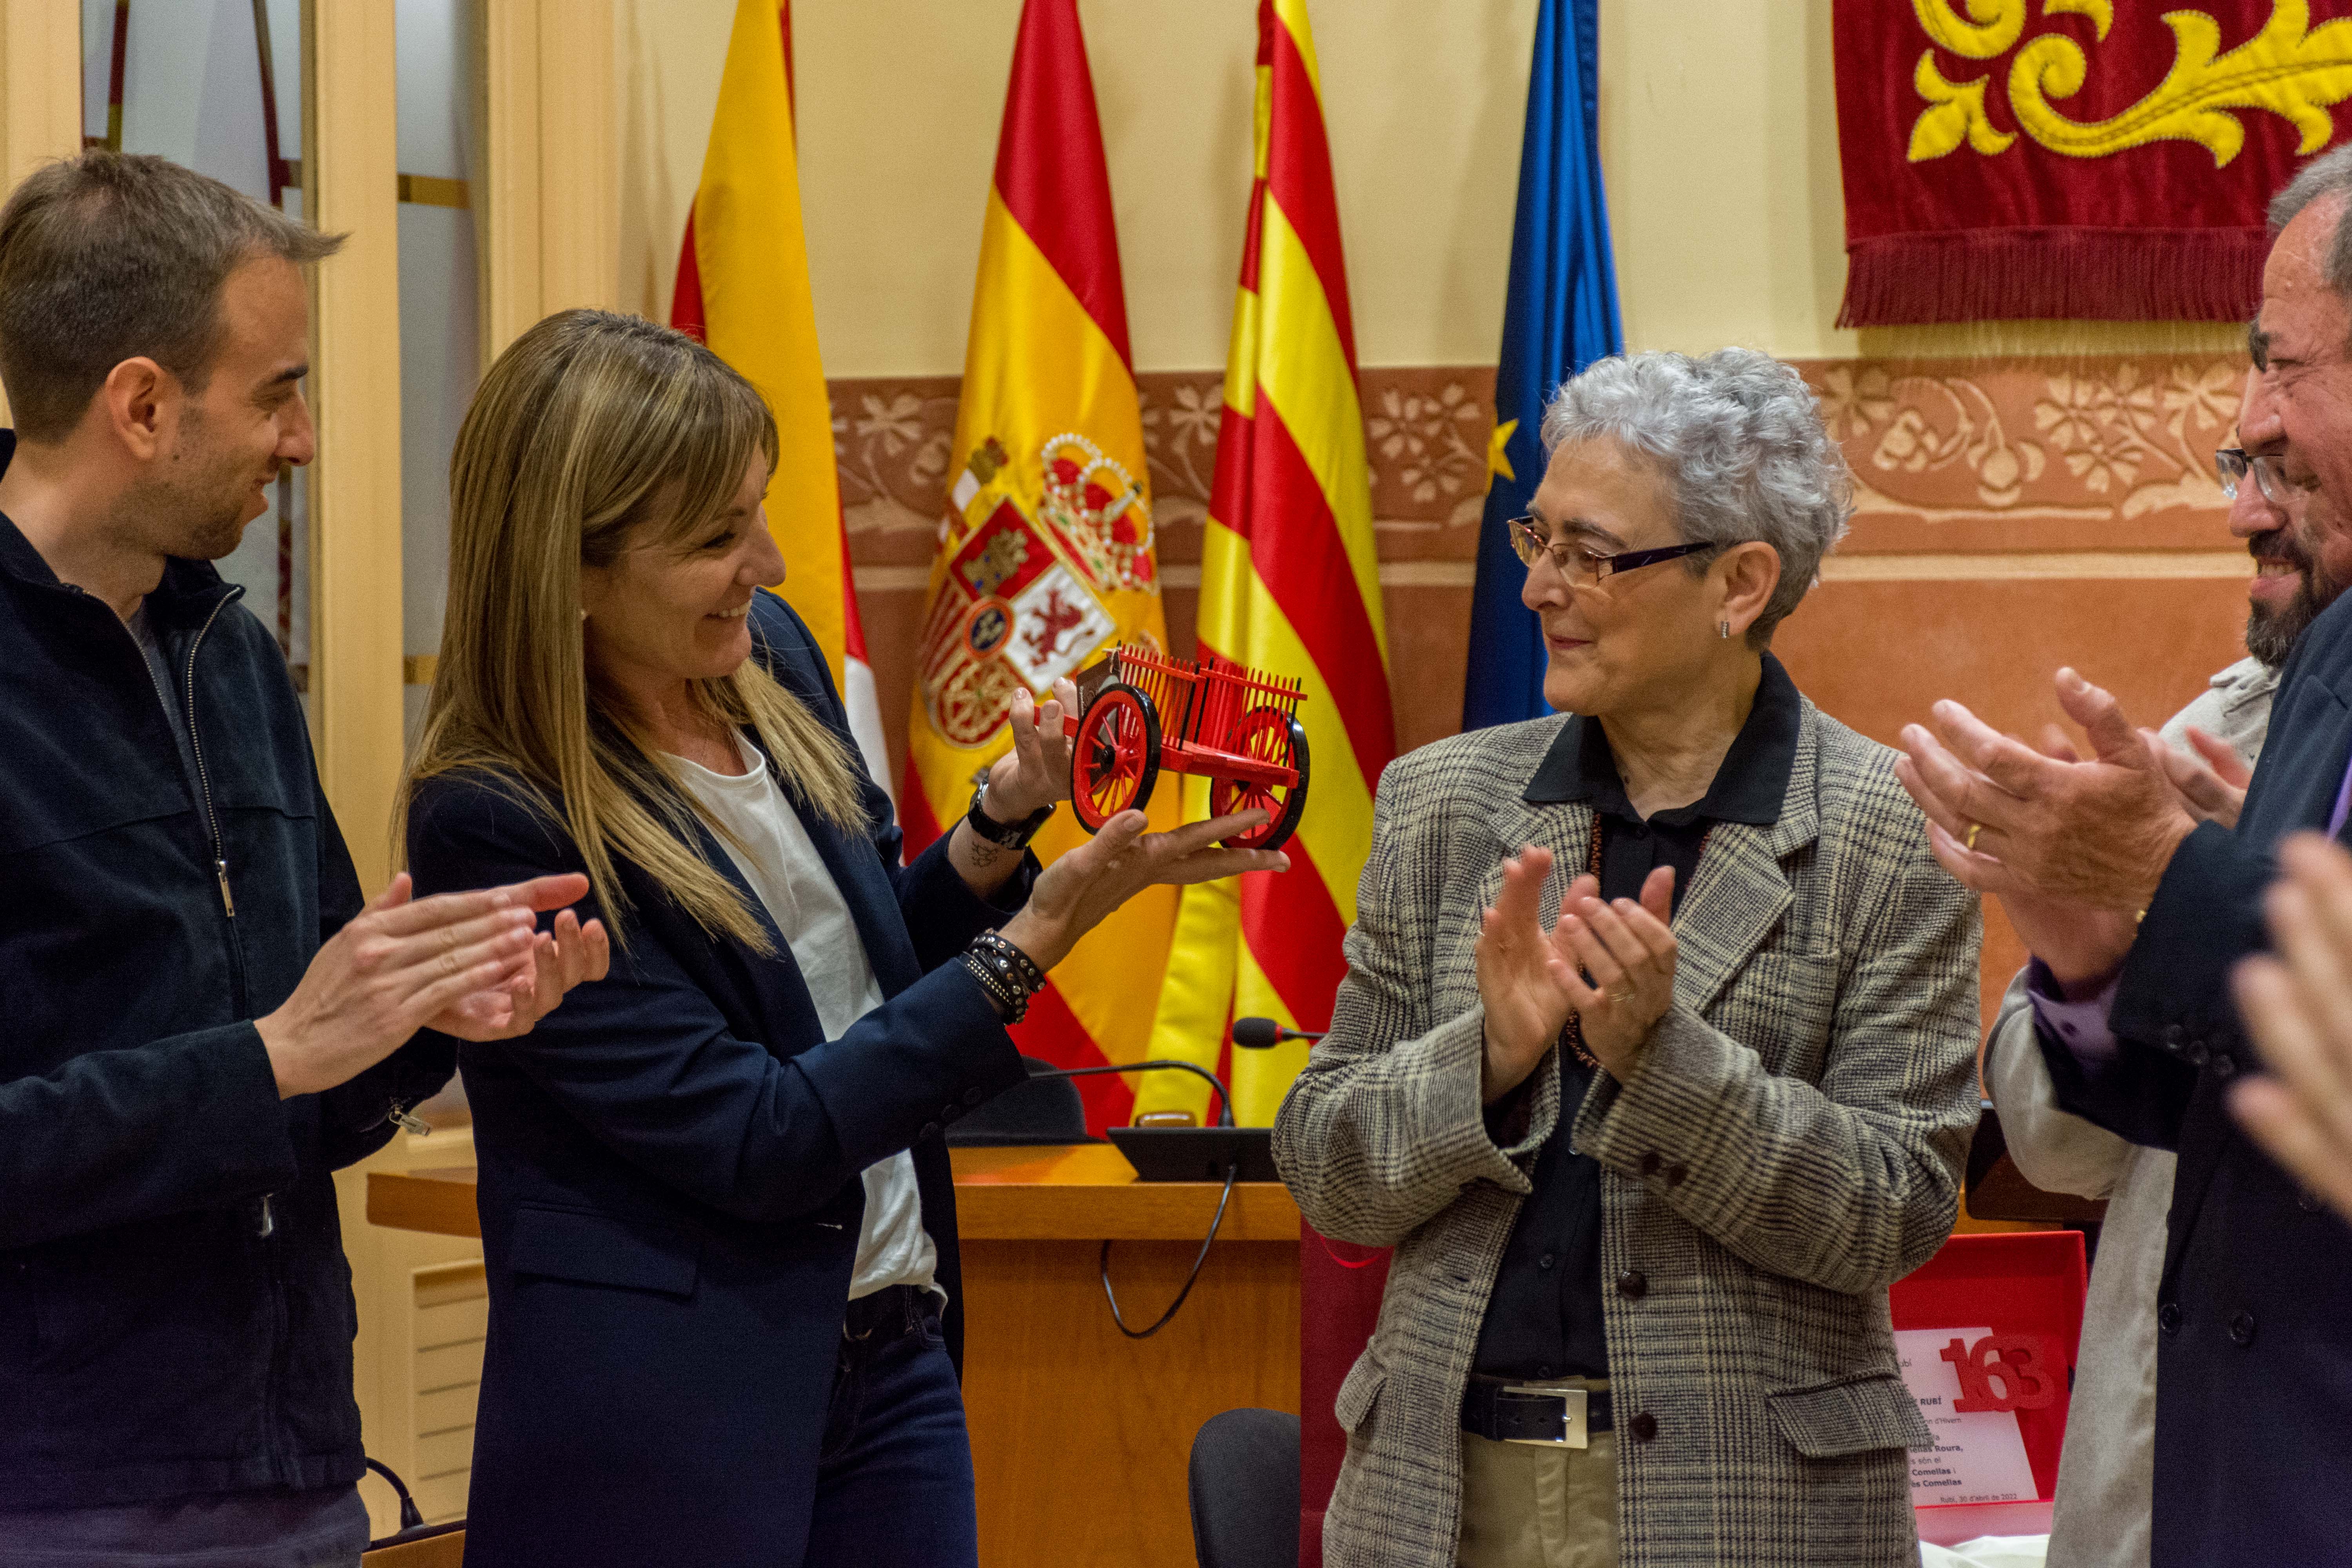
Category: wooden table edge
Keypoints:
(988, 1208)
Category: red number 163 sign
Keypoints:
(2027, 1373)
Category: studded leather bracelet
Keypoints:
(1009, 975)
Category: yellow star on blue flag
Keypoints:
(1498, 457)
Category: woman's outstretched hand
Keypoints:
(1073, 894)
(1529, 980)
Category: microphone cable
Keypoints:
(1102, 1265)
(1233, 1175)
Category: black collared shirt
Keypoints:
(1544, 1319)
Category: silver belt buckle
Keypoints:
(1573, 1434)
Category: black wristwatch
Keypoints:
(1009, 835)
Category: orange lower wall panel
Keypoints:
(1879, 655)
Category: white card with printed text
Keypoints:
(1980, 1456)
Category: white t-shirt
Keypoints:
(784, 867)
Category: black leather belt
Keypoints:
(1504, 1411)
(894, 1309)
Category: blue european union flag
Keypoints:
(1559, 316)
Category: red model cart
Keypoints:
(1140, 711)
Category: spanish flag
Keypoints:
(1288, 586)
(1046, 555)
(743, 289)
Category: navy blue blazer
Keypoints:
(2255, 1310)
(670, 1193)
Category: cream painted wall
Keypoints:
(900, 101)
(1718, 139)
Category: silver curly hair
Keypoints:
(1738, 439)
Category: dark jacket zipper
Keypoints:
(205, 790)
(266, 1221)
(204, 782)
(265, 1218)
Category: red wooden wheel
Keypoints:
(1115, 760)
(1265, 735)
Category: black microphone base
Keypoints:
(1197, 1153)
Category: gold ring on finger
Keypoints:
(1974, 828)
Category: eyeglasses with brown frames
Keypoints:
(1582, 567)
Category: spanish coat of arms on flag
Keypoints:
(1044, 555)
(1023, 602)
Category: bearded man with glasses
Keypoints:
(2208, 750)
(2136, 914)
(1655, 1055)
(2281, 527)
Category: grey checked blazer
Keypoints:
(1791, 1144)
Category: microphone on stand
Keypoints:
(1263, 1033)
(1224, 1105)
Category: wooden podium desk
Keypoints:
(1079, 1434)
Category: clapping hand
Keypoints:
(2298, 1007)
(2072, 846)
(1629, 950)
(467, 964)
(2212, 784)
(559, 960)
(1529, 982)
(2095, 831)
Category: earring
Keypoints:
(1722, 628)
(583, 615)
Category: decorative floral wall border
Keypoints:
(1425, 429)
(2111, 441)
(2108, 452)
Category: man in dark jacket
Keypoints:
(2136, 916)
(202, 1018)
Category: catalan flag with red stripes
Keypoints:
(743, 289)
(1045, 556)
(1288, 586)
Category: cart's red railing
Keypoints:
(1201, 704)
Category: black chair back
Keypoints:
(1243, 1482)
(1042, 1110)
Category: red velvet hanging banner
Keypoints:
(2085, 159)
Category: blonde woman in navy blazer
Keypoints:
(676, 1183)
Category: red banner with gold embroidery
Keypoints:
(2106, 160)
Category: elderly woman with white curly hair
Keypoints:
(1654, 1060)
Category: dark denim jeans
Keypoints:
(894, 1480)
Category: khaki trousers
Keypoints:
(1525, 1506)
